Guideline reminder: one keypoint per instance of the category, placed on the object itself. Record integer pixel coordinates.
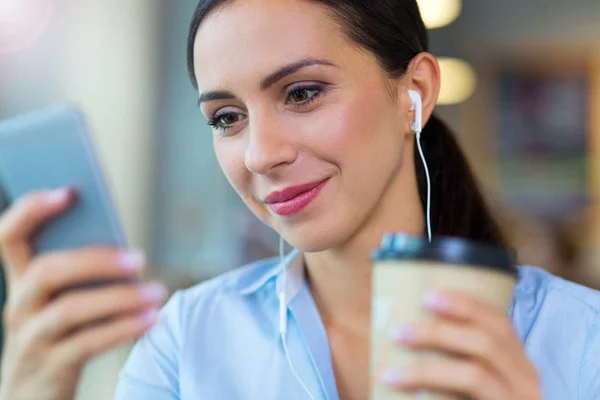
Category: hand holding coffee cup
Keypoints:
(440, 329)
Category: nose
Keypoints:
(268, 146)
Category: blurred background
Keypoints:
(521, 87)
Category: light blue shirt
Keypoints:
(220, 340)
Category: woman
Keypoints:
(311, 115)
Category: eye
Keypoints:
(302, 96)
(225, 121)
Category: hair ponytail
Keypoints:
(457, 204)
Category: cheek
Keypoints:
(352, 132)
(230, 156)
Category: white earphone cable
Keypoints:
(428, 211)
(287, 354)
(283, 317)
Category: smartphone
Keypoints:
(51, 148)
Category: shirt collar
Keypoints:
(296, 276)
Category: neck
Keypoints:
(340, 278)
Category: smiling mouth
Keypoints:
(294, 199)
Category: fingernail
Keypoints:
(391, 377)
(153, 291)
(57, 196)
(436, 301)
(133, 260)
(149, 317)
(402, 334)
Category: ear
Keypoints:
(423, 75)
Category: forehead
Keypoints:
(253, 37)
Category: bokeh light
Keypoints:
(458, 81)
(22, 22)
(438, 13)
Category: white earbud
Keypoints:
(417, 107)
(417, 127)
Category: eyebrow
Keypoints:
(270, 80)
(217, 95)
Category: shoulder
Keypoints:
(209, 312)
(537, 286)
(543, 300)
(221, 298)
(559, 323)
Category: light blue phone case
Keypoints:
(52, 148)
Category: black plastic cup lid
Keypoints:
(448, 250)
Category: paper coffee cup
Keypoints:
(405, 269)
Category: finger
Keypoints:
(53, 273)
(23, 219)
(449, 376)
(78, 309)
(465, 341)
(77, 350)
(469, 309)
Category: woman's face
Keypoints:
(304, 125)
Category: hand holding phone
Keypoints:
(55, 240)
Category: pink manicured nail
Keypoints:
(149, 317)
(153, 291)
(436, 301)
(391, 377)
(57, 196)
(133, 260)
(402, 334)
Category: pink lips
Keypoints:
(294, 199)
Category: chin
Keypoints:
(316, 236)
(310, 243)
